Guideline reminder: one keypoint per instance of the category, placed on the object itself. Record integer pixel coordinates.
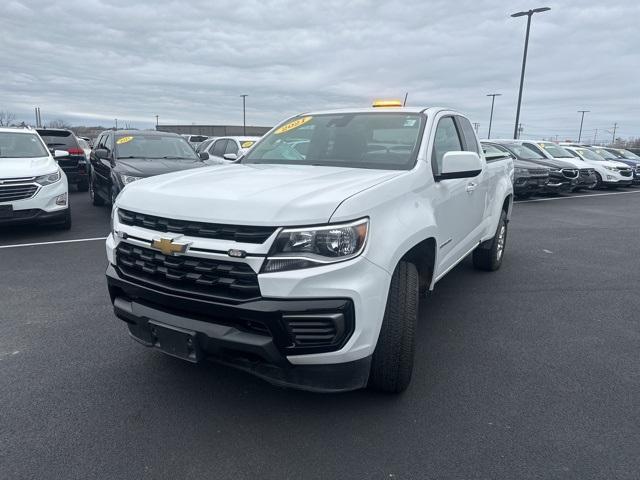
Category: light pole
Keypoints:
(529, 14)
(493, 99)
(581, 122)
(244, 114)
(157, 116)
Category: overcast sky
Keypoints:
(90, 61)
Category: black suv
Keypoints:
(528, 178)
(124, 156)
(75, 164)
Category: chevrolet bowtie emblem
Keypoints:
(168, 246)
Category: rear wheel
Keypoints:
(392, 361)
(95, 199)
(488, 256)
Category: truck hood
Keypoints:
(26, 167)
(273, 195)
(139, 167)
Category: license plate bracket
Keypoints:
(175, 341)
(6, 211)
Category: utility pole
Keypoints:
(476, 125)
(116, 123)
(519, 131)
(595, 135)
(404, 104)
(157, 122)
(581, 122)
(615, 125)
(529, 14)
(244, 114)
(493, 99)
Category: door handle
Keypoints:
(471, 187)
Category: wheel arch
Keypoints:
(423, 256)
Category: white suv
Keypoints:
(33, 188)
(608, 172)
(306, 268)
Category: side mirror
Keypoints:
(230, 156)
(203, 156)
(101, 153)
(460, 165)
(60, 153)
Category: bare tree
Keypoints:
(6, 118)
(58, 123)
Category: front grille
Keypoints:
(188, 275)
(10, 193)
(538, 172)
(586, 172)
(246, 234)
(570, 172)
(625, 173)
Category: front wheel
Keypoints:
(598, 181)
(95, 199)
(392, 361)
(488, 255)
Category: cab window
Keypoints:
(470, 142)
(447, 139)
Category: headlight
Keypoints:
(114, 212)
(554, 170)
(127, 179)
(49, 179)
(613, 169)
(296, 248)
(521, 171)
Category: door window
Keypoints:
(470, 142)
(447, 139)
(232, 147)
(218, 148)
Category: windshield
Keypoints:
(153, 147)
(589, 155)
(523, 152)
(21, 145)
(605, 154)
(197, 138)
(630, 155)
(554, 150)
(387, 141)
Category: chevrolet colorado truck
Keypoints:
(303, 263)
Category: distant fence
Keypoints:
(213, 130)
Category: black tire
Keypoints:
(83, 186)
(66, 223)
(95, 199)
(392, 361)
(598, 181)
(489, 254)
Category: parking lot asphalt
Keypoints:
(531, 372)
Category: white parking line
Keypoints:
(576, 196)
(53, 243)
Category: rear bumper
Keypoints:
(75, 176)
(253, 336)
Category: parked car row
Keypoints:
(543, 167)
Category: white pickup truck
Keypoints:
(303, 263)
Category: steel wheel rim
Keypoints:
(502, 234)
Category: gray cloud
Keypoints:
(90, 61)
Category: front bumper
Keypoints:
(527, 185)
(254, 336)
(42, 207)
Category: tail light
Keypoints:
(75, 151)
